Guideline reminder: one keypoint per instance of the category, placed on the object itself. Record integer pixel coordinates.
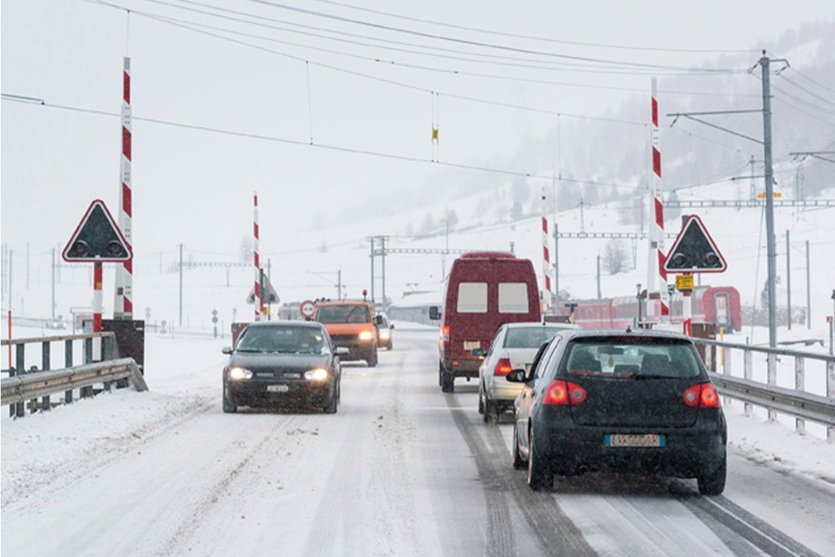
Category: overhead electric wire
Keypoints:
(531, 37)
(609, 62)
(335, 148)
(807, 91)
(809, 79)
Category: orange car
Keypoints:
(352, 325)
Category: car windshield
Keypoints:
(631, 357)
(529, 337)
(299, 340)
(353, 313)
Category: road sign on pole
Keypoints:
(97, 239)
(694, 251)
(306, 309)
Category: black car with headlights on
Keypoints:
(616, 401)
(282, 364)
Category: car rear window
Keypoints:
(631, 357)
(513, 297)
(472, 297)
(528, 337)
(349, 313)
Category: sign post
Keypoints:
(97, 239)
(692, 252)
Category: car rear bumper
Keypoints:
(502, 390)
(253, 392)
(462, 367)
(687, 452)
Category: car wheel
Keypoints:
(491, 414)
(714, 483)
(480, 399)
(229, 407)
(518, 463)
(388, 346)
(440, 374)
(372, 358)
(447, 382)
(330, 407)
(539, 475)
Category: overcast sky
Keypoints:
(357, 83)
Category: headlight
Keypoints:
(318, 374)
(366, 335)
(239, 373)
(385, 333)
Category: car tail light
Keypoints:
(502, 367)
(703, 395)
(564, 392)
(445, 340)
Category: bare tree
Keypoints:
(615, 258)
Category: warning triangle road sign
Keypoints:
(694, 251)
(269, 295)
(97, 238)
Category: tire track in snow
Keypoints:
(552, 527)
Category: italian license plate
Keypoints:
(278, 388)
(471, 344)
(620, 440)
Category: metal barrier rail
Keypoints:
(795, 402)
(41, 383)
(65, 379)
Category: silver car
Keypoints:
(513, 347)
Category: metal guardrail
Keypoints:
(796, 402)
(41, 383)
(23, 384)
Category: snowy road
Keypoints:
(402, 469)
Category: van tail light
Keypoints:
(502, 367)
(703, 395)
(445, 340)
(564, 393)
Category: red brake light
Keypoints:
(703, 395)
(564, 392)
(446, 333)
(502, 367)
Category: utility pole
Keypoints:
(383, 247)
(808, 290)
(372, 269)
(765, 64)
(181, 284)
(53, 283)
(789, 278)
(556, 266)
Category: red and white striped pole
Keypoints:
(123, 306)
(259, 307)
(547, 297)
(657, 289)
(97, 310)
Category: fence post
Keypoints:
(726, 369)
(86, 392)
(20, 369)
(771, 363)
(107, 354)
(800, 385)
(46, 405)
(830, 392)
(68, 363)
(747, 357)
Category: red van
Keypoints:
(484, 290)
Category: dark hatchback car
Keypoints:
(619, 401)
(282, 364)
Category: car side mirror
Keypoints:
(434, 313)
(478, 352)
(517, 376)
(391, 326)
(342, 351)
(378, 319)
(226, 349)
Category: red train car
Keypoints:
(719, 305)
